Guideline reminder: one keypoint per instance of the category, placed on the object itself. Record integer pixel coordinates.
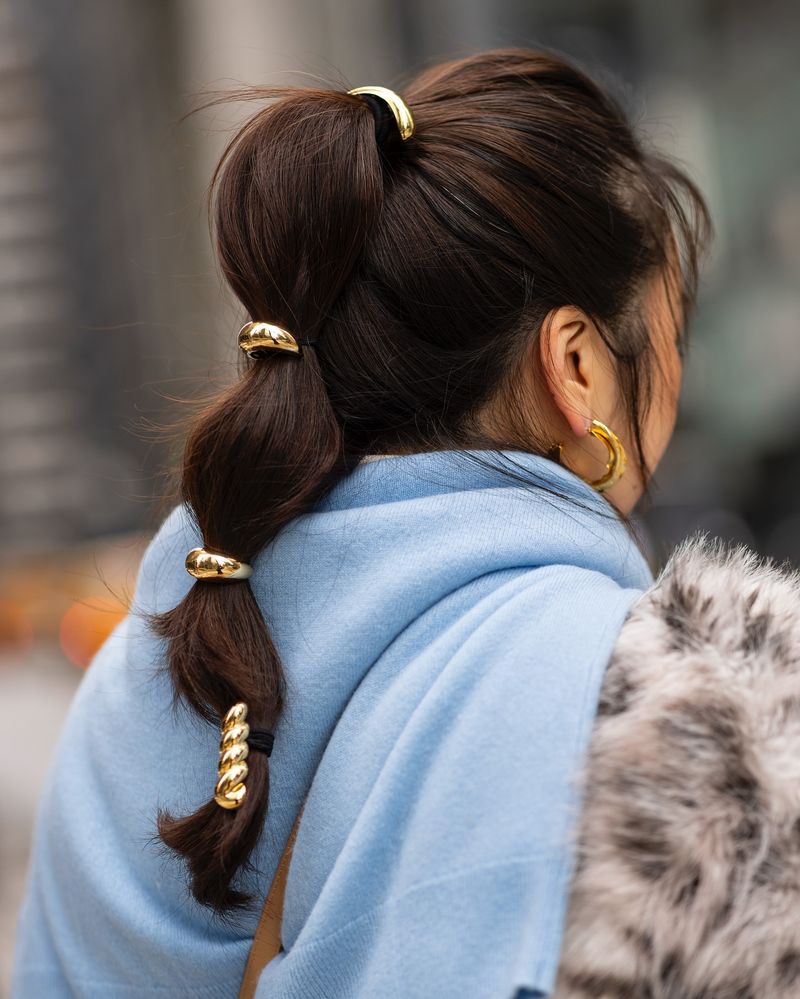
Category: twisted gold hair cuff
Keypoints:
(203, 564)
(230, 790)
(235, 742)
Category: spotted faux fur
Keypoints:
(687, 884)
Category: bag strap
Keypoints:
(267, 940)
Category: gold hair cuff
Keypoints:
(255, 339)
(208, 565)
(230, 790)
(398, 107)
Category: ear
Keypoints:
(568, 356)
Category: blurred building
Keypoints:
(110, 305)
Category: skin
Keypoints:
(567, 377)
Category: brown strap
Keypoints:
(267, 941)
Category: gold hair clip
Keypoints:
(230, 790)
(208, 565)
(398, 107)
(255, 339)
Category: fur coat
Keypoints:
(687, 881)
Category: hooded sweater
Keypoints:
(444, 620)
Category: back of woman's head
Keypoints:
(422, 268)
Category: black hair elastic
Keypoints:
(385, 124)
(260, 740)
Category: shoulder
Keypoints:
(689, 859)
(162, 581)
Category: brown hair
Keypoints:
(423, 267)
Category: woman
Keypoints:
(410, 574)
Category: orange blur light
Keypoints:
(16, 627)
(86, 625)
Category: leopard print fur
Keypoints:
(687, 881)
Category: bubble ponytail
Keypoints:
(271, 445)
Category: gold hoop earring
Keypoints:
(617, 459)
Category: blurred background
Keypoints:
(111, 308)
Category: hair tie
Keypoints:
(398, 107)
(203, 564)
(236, 741)
(258, 340)
(385, 123)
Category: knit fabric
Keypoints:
(444, 631)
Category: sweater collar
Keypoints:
(504, 499)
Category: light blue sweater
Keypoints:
(444, 633)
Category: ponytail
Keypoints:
(295, 194)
